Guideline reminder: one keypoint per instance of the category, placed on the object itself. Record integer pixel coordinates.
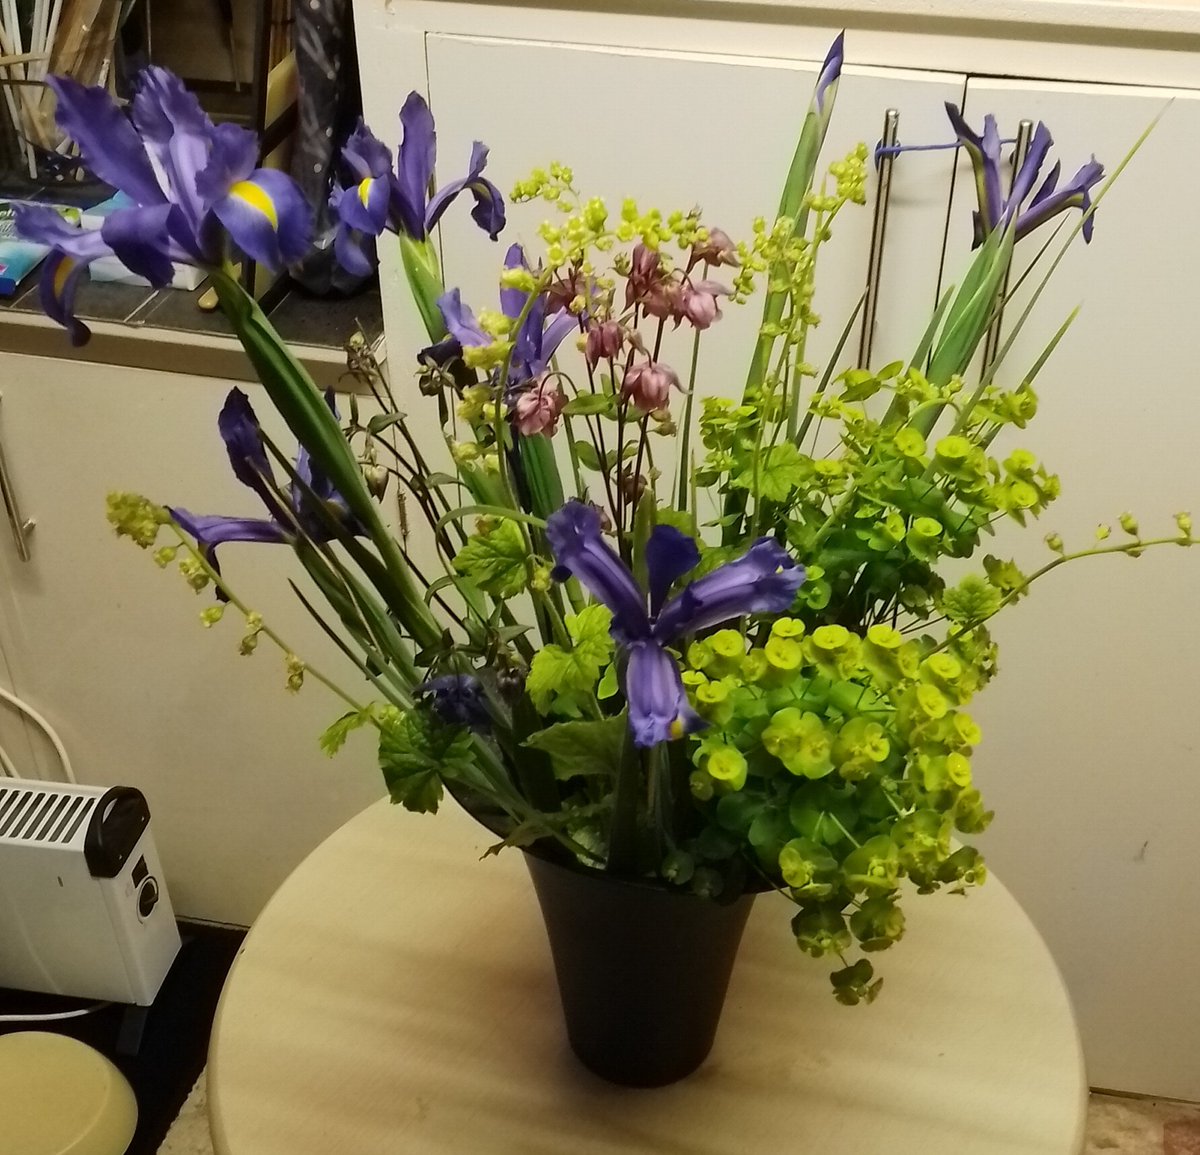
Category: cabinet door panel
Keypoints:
(1089, 750)
(112, 651)
(673, 130)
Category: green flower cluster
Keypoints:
(843, 761)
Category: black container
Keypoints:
(642, 970)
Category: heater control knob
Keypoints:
(147, 898)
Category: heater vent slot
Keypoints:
(43, 816)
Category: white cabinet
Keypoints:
(1089, 755)
(111, 649)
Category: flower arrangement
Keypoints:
(689, 639)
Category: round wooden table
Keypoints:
(397, 995)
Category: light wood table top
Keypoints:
(397, 995)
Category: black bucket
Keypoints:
(642, 970)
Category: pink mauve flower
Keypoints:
(645, 274)
(719, 249)
(648, 385)
(538, 408)
(700, 302)
(604, 341)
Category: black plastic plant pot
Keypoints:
(642, 970)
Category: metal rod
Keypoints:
(891, 129)
(991, 343)
(19, 525)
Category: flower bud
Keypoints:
(376, 477)
(1129, 524)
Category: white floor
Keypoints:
(1116, 1126)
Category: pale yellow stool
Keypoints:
(60, 1097)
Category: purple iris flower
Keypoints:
(1048, 201)
(536, 341)
(763, 580)
(457, 699)
(193, 184)
(398, 199)
(240, 430)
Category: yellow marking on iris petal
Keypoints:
(256, 197)
(61, 274)
(364, 190)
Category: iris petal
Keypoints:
(417, 154)
(267, 217)
(110, 146)
(512, 301)
(365, 154)
(59, 280)
(138, 237)
(1031, 166)
(232, 157)
(355, 251)
(212, 530)
(242, 434)
(670, 553)
(488, 212)
(460, 321)
(659, 710)
(763, 580)
(579, 548)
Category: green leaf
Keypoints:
(782, 468)
(416, 752)
(608, 683)
(541, 473)
(381, 421)
(501, 511)
(495, 561)
(590, 404)
(583, 748)
(588, 457)
(561, 677)
(336, 733)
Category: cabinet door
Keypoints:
(111, 649)
(673, 130)
(1089, 749)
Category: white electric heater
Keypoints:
(83, 908)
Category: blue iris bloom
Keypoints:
(534, 344)
(291, 515)
(193, 184)
(763, 580)
(1023, 206)
(398, 199)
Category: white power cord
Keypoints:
(56, 1016)
(6, 764)
(49, 731)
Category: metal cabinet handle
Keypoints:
(891, 129)
(991, 343)
(21, 526)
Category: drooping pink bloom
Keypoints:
(604, 341)
(537, 409)
(648, 385)
(718, 250)
(700, 302)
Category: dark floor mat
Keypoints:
(175, 1038)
